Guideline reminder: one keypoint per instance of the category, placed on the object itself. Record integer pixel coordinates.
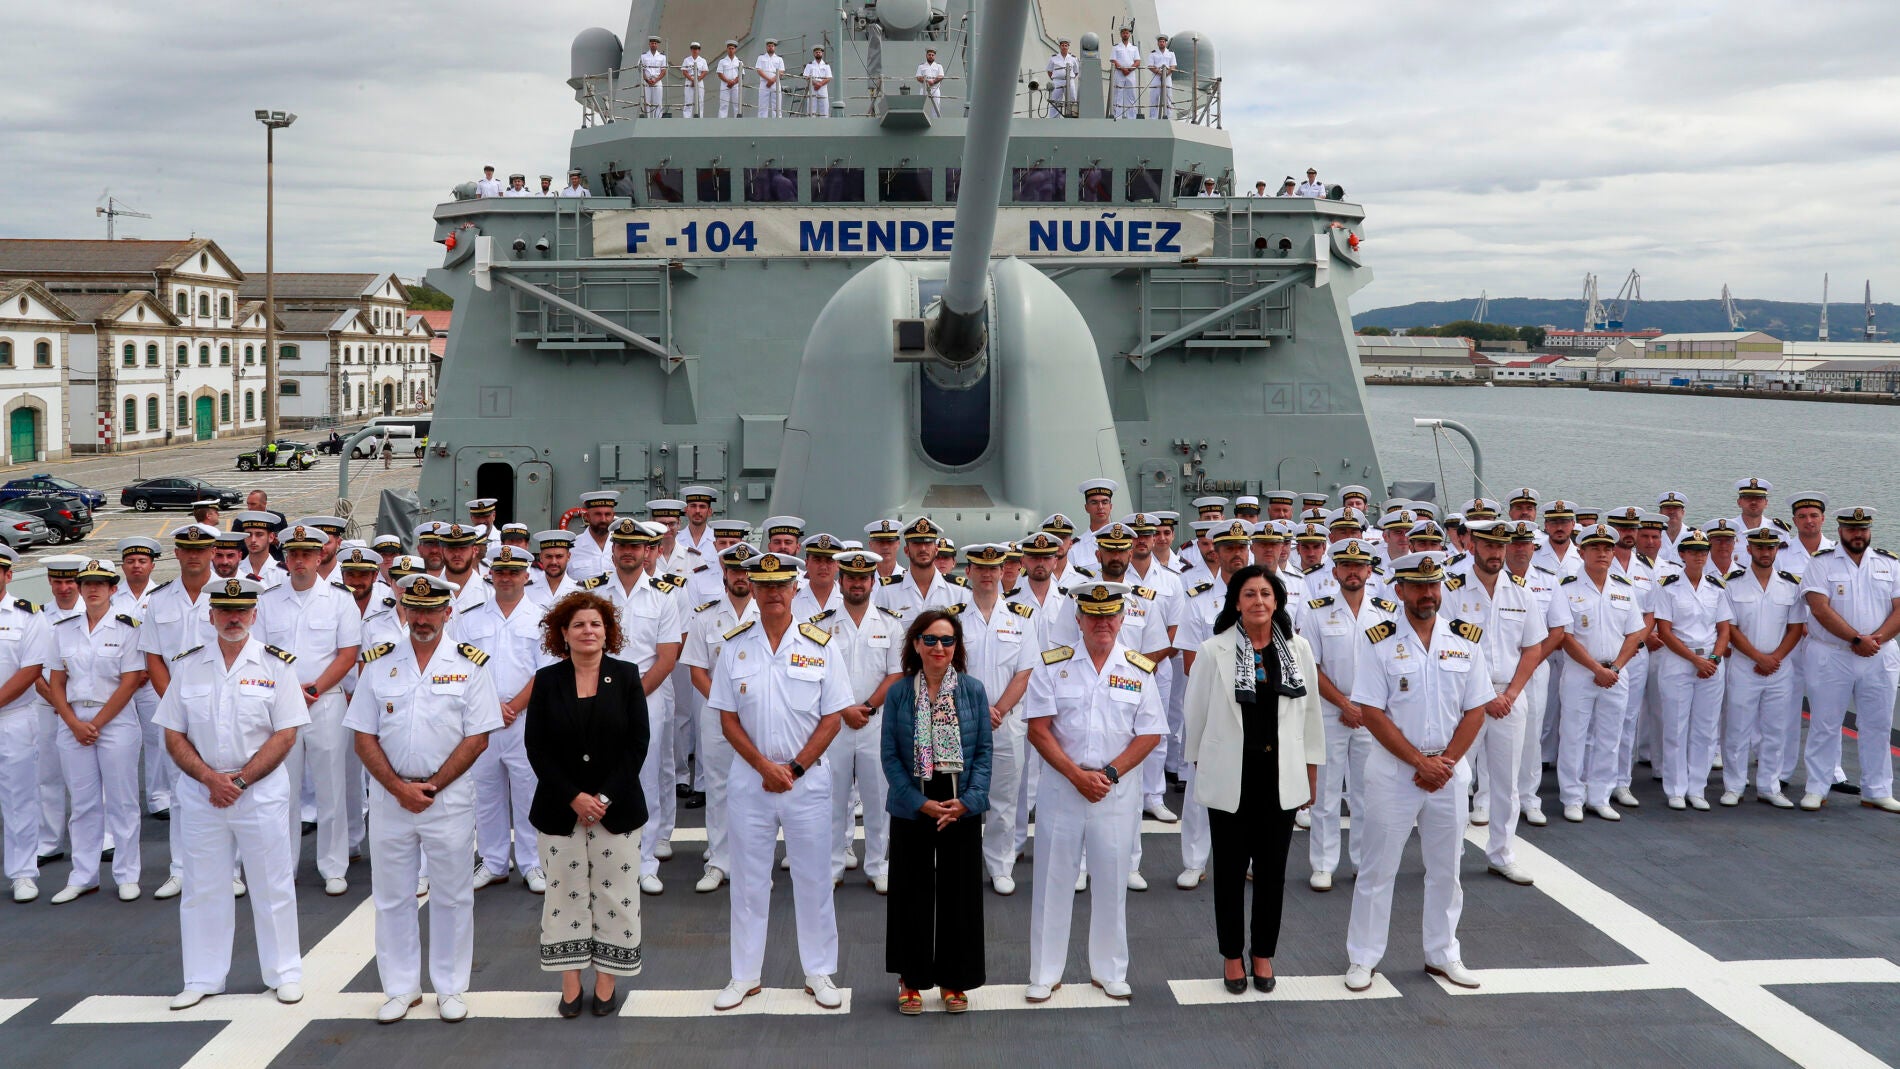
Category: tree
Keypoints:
(1376, 332)
(1533, 336)
(424, 297)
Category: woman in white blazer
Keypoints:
(1254, 734)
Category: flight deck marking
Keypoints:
(11, 1006)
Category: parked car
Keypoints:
(402, 440)
(66, 520)
(176, 491)
(333, 445)
(51, 484)
(22, 531)
(287, 459)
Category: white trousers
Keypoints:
(1007, 746)
(757, 816)
(1839, 679)
(400, 842)
(731, 100)
(158, 764)
(52, 786)
(1588, 736)
(1757, 710)
(1796, 664)
(504, 791)
(1154, 772)
(1636, 708)
(104, 781)
(1059, 101)
(1160, 99)
(818, 104)
(715, 777)
(1554, 709)
(686, 703)
(19, 794)
(1692, 710)
(1500, 750)
(1026, 794)
(1124, 97)
(933, 101)
(251, 829)
(1530, 774)
(656, 778)
(1393, 805)
(325, 765)
(771, 102)
(1343, 776)
(1174, 741)
(853, 758)
(691, 94)
(1066, 825)
(1197, 841)
(653, 98)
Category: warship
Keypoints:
(962, 305)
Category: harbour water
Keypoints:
(1610, 449)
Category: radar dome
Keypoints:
(1091, 41)
(903, 17)
(595, 52)
(1194, 55)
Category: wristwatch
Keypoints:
(238, 782)
(798, 770)
(1113, 776)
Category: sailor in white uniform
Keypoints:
(506, 626)
(230, 716)
(488, 185)
(1098, 502)
(869, 642)
(693, 73)
(1556, 615)
(1759, 696)
(60, 572)
(1228, 552)
(1853, 596)
(1312, 186)
(1421, 682)
(551, 580)
(653, 67)
(1124, 60)
(24, 649)
(780, 692)
(136, 557)
(517, 186)
(771, 69)
(1065, 73)
(818, 86)
(650, 620)
(930, 77)
(921, 586)
(1000, 645)
(1809, 510)
(730, 70)
(706, 630)
(1606, 631)
(422, 713)
(576, 184)
(1161, 66)
(260, 534)
(592, 551)
(1692, 620)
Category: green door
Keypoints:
(23, 435)
(206, 419)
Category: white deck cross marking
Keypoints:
(11, 1006)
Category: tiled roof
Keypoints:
(37, 257)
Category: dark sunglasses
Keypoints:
(937, 640)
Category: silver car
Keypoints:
(21, 530)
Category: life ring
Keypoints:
(568, 516)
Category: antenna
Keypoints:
(1733, 313)
(1484, 305)
(112, 210)
(1823, 334)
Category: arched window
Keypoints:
(184, 354)
(204, 355)
(131, 355)
(224, 355)
(184, 303)
(250, 355)
(131, 416)
(42, 354)
(6, 353)
(151, 354)
(250, 405)
(224, 408)
(204, 305)
(151, 413)
(224, 307)
(359, 395)
(184, 412)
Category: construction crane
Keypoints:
(1617, 312)
(1592, 308)
(1867, 302)
(1484, 305)
(112, 209)
(1733, 313)
(1823, 335)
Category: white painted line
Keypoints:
(992, 997)
(771, 1002)
(1289, 989)
(11, 1006)
(1567, 981)
(698, 835)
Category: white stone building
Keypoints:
(35, 335)
(350, 348)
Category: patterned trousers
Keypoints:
(591, 912)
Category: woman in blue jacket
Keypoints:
(936, 753)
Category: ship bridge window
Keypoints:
(771, 184)
(952, 182)
(837, 185)
(1097, 185)
(665, 185)
(715, 185)
(903, 185)
(1040, 185)
(1144, 185)
(1187, 184)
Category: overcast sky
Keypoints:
(1508, 147)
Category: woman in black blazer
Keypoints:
(586, 737)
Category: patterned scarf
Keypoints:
(938, 732)
(1291, 685)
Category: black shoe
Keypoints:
(695, 800)
(163, 814)
(48, 859)
(106, 854)
(309, 827)
(682, 790)
(1786, 786)
(1235, 987)
(608, 1007)
(1263, 984)
(1845, 788)
(573, 1009)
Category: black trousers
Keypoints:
(934, 920)
(1258, 832)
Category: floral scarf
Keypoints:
(939, 735)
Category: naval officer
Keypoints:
(1853, 596)
(1312, 187)
(230, 718)
(1124, 60)
(576, 186)
(771, 68)
(1091, 713)
(1065, 72)
(1422, 683)
(592, 551)
(930, 76)
(1607, 629)
(779, 692)
(488, 185)
(922, 586)
(870, 646)
(706, 629)
(1098, 502)
(650, 620)
(23, 651)
(818, 86)
(693, 73)
(136, 557)
(731, 73)
(1161, 67)
(1692, 620)
(1000, 646)
(653, 67)
(61, 582)
(1760, 699)
(422, 713)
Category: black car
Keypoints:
(176, 492)
(67, 520)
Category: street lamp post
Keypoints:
(273, 121)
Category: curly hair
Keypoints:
(561, 613)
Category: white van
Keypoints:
(402, 437)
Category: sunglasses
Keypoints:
(937, 640)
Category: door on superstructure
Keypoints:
(206, 421)
(389, 398)
(520, 482)
(23, 435)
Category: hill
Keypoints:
(1787, 320)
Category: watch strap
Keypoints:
(798, 770)
(1114, 775)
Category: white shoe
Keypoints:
(1698, 803)
(1480, 817)
(1190, 879)
(1812, 802)
(881, 884)
(335, 886)
(1303, 819)
(422, 886)
(189, 997)
(171, 888)
(734, 993)
(69, 892)
(1625, 797)
(663, 850)
(1885, 805)
(710, 880)
(1039, 992)
(537, 882)
(290, 994)
(1608, 813)
(1081, 883)
(1161, 812)
(1115, 989)
(823, 991)
(128, 892)
(1137, 882)
(1776, 799)
(1321, 881)
(238, 890)
(1573, 814)
(1358, 977)
(1717, 766)
(651, 885)
(397, 1008)
(483, 878)
(850, 861)
(25, 889)
(1677, 801)
(1731, 798)
(1535, 818)
(1454, 972)
(451, 1008)
(1513, 872)
(1003, 885)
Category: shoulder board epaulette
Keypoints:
(389, 601)
(1382, 630)
(281, 654)
(1058, 655)
(823, 615)
(1454, 582)
(959, 580)
(953, 610)
(675, 579)
(740, 630)
(377, 650)
(1646, 560)
(160, 586)
(895, 614)
(1314, 568)
(1789, 576)
(1081, 571)
(1139, 661)
(1466, 630)
(661, 585)
(1822, 552)
(1199, 590)
(889, 580)
(1012, 591)
(590, 584)
(1887, 553)
(1543, 569)
(1457, 558)
(708, 605)
(489, 579)
(1566, 579)
(1145, 593)
(1670, 578)
(339, 584)
(24, 605)
(1717, 580)
(814, 632)
(1024, 611)
(1519, 580)
(702, 568)
(1783, 524)
(187, 653)
(1620, 578)
(127, 619)
(1385, 605)
(1320, 603)
(473, 653)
